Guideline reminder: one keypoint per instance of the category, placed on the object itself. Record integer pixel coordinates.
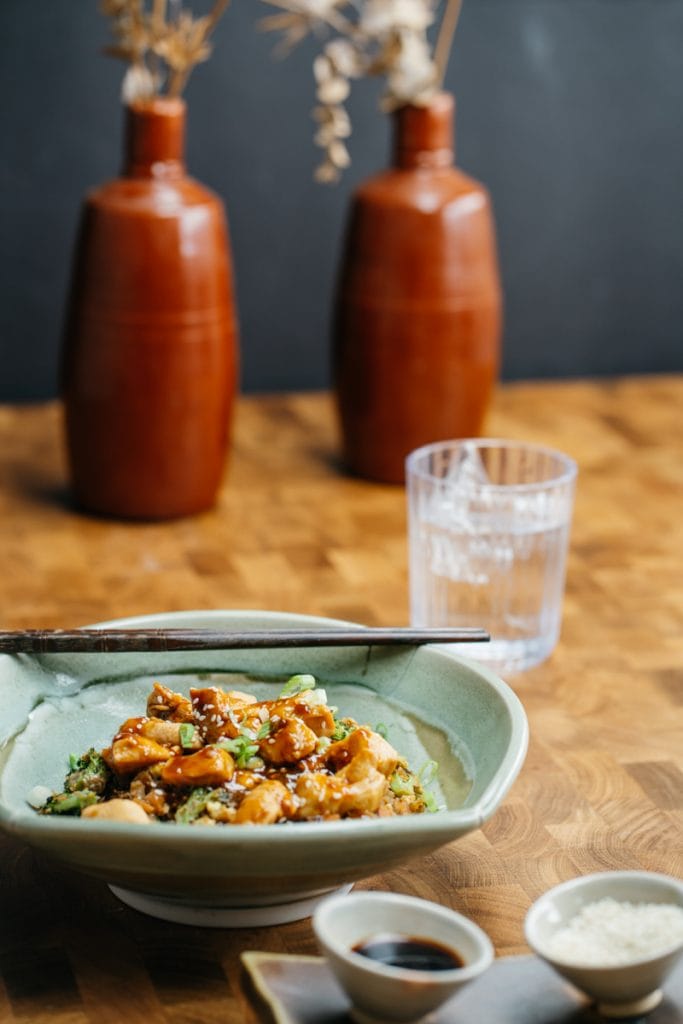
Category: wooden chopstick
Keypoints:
(61, 641)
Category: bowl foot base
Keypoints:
(636, 1008)
(223, 917)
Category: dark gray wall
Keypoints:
(571, 111)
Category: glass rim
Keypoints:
(567, 475)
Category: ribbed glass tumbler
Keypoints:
(489, 524)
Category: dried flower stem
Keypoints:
(214, 16)
(158, 22)
(177, 82)
(444, 42)
(159, 12)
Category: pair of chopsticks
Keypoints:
(105, 641)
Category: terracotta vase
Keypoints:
(150, 350)
(418, 315)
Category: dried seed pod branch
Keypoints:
(385, 38)
(160, 42)
(298, 18)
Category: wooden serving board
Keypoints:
(515, 990)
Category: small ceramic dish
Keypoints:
(627, 989)
(435, 706)
(385, 994)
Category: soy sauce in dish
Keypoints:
(409, 952)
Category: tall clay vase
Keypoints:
(418, 314)
(150, 350)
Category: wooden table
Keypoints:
(603, 782)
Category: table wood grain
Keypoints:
(602, 786)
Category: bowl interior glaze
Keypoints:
(434, 704)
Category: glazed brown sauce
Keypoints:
(409, 952)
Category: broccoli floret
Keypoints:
(194, 806)
(89, 772)
(342, 729)
(69, 803)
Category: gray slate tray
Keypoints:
(515, 990)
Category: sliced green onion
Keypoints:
(73, 762)
(241, 747)
(427, 772)
(186, 733)
(382, 730)
(317, 698)
(297, 684)
(430, 803)
(401, 786)
(264, 730)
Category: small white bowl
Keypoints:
(624, 990)
(383, 994)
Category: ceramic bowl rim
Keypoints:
(364, 965)
(586, 881)
(293, 833)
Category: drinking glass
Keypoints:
(489, 525)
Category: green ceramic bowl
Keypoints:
(435, 706)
